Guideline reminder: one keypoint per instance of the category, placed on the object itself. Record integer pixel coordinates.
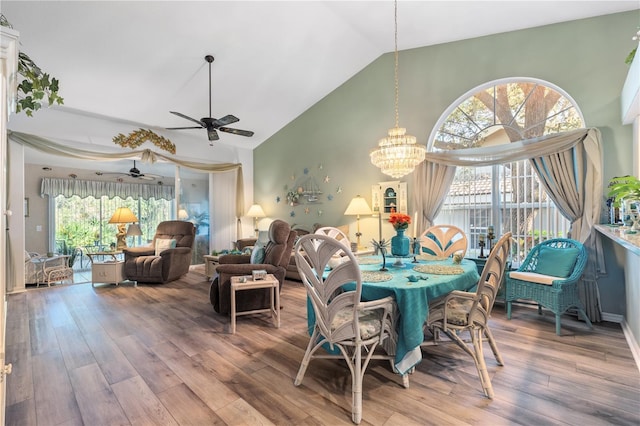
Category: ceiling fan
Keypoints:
(134, 172)
(212, 124)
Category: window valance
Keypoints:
(91, 188)
(515, 151)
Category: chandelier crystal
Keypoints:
(397, 154)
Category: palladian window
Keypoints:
(509, 195)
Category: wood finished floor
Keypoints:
(159, 355)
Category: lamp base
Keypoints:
(121, 237)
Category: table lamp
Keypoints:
(121, 217)
(356, 207)
(134, 231)
(256, 212)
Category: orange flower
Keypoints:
(399, 220)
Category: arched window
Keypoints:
(508, 197)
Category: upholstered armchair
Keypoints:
(277, 253)
(166, 259)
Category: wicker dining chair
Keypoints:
(549, 275)
(443, 241)
(342, 321)
(462, 311)
(334, 233)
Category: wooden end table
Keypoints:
(247, 283)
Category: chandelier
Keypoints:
(397, 154)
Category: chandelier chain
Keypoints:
(397, 154)
(395, 35)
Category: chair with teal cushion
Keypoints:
(549, 276)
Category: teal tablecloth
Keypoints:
(413, 301)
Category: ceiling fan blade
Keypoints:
(213, 135)
(182, 128)
(146, 177)
(236, 131)
(227, 119)
(188, 118)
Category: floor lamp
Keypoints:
(356, 207)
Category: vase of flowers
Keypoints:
(399, 243)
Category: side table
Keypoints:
(247, 283)
(111, 272)
(210, 263)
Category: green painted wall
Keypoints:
(584, 57)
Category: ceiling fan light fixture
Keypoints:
(398, 154)
(209, 123)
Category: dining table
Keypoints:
(414, 286)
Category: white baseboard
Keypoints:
(633, 344)
(617, 318)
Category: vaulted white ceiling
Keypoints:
(124, 65)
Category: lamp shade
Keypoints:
(358, 206)
(134, 230)
(182, 214)
(256, 211)
(123, 215)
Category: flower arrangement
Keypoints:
(399, 220)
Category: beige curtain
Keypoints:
(434, 181)
(573, 180)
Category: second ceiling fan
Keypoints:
(212, 125)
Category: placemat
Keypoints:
(427, 256)
(439, 269)
(376, 276)
(369, 261)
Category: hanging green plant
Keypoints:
(36, 85)
(632, 54)
(140, 136)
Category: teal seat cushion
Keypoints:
(558, 262)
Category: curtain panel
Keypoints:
(568, 164)
(91, 188)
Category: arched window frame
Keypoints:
(468, 207)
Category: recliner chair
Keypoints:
(142, 265)
(276, 257)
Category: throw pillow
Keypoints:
(163, 244)
(257, 255)
(557, 262)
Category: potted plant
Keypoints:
(35, 84)
(624, 191)
(624, 188)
